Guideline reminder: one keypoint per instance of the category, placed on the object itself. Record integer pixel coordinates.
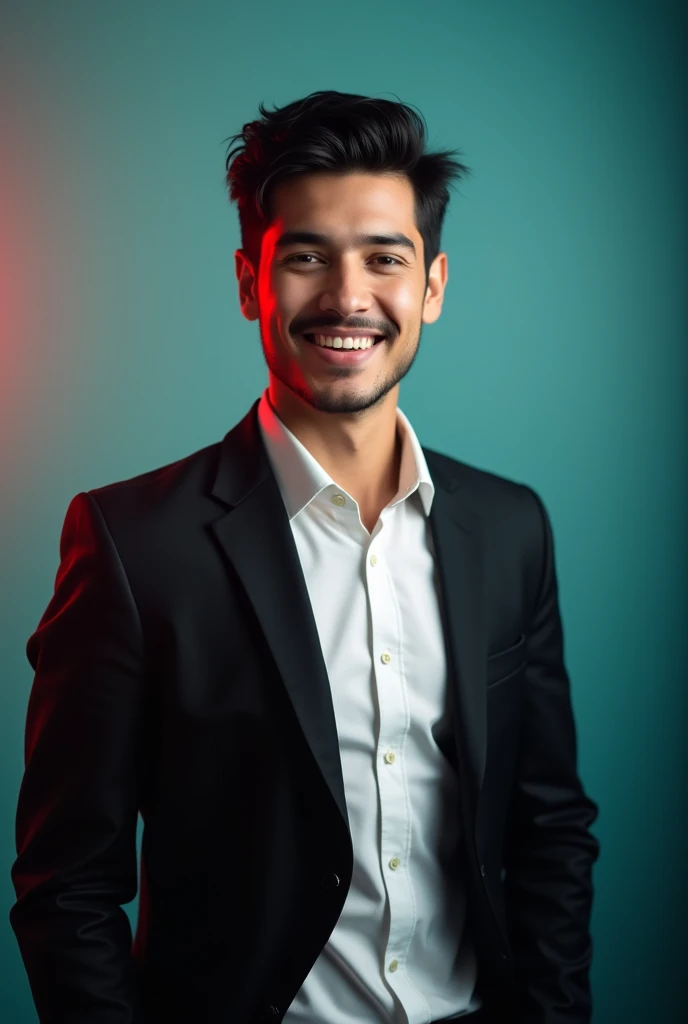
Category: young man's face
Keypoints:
(341, 284)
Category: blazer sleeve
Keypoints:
(549, 850)
(77, 809)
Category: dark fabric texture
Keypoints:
(178, 674)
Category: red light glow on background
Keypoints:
(37, 238)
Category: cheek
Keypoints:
(267, 297)
(405, 303)
(282, 299)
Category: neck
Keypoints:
(361, 451)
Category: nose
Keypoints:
(345, 289)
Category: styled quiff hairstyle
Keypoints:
(342, 133)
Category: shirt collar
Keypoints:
(301, 477)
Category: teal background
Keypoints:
(559, 359)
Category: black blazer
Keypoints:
(178, 673)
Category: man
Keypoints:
(324, 664)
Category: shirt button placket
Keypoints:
(391, 785)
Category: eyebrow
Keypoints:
(314, 238)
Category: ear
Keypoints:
(437, 282)
(248, 285)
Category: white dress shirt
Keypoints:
(400, 951)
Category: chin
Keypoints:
(344, 402)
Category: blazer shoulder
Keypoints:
(184, 489)
(481, 485)
(160, 491)
(510, 511)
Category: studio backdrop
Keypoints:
(559, 359)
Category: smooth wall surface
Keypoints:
(559, 359)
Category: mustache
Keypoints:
(309, 327)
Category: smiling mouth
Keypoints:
(342, 342)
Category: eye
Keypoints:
(309, 256)
(301, 256)
(392, 258)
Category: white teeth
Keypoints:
(334, 341)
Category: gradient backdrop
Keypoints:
(559, 360)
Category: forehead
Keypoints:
(328, 199)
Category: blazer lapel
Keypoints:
(458, 547)
(256, 538)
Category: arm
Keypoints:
(549, 851)
(77, 811)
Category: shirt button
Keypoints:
(385, 657)
(393, 965)
(338, 499)
(390, 757)
(394, 863)
(373, 559)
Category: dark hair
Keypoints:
(339, 132)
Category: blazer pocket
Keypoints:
(507, 662)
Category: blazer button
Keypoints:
(329, 880)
